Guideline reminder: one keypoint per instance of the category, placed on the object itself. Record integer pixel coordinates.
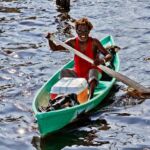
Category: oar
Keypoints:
(131, 83)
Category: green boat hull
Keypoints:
(51, 121)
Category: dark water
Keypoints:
(26, 63)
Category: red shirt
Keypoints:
(81, 66)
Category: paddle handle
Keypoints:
(131, 83)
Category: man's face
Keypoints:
(83, 33)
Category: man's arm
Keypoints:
(53, 46)
(107, 55)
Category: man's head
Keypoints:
(83, 28)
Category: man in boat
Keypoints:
(89, 46)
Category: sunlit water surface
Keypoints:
(26, 63)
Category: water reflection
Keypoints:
(64, 29)
(9, 0)
(9, 10)
(74, 134)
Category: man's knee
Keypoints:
(94, 74)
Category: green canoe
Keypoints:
(51, 121)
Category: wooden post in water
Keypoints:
(63, 5)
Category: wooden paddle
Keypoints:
(131, 83)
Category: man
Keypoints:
(89, 46)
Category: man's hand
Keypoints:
(98, 61)
(48, 36)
